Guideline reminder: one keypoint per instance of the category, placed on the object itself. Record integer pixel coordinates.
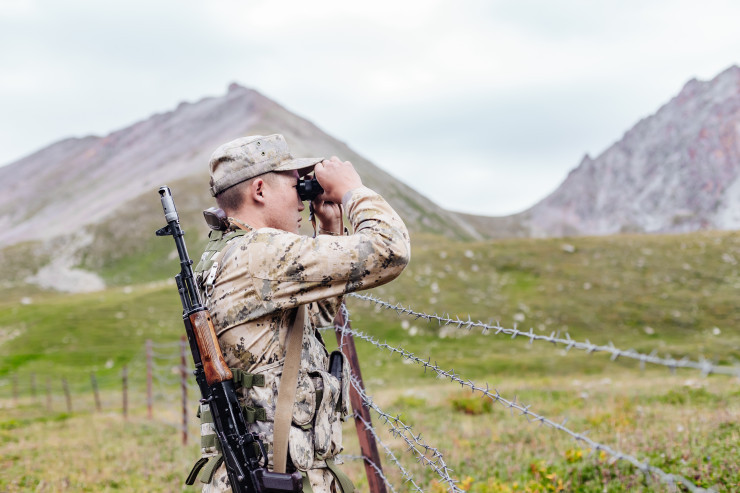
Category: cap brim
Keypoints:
(304, 164)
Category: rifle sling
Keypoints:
(287, 391)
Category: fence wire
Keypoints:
(645, 467)
(416, 444)
(164, 380)
(406, 475)
(369, 427)
(706, 367)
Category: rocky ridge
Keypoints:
(675, 171)
(99, 193)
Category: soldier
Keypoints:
(257, 275)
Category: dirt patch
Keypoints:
(62, 275)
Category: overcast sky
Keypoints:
(482, 105)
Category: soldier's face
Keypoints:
(285, 206)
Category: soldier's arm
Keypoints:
(312, 269)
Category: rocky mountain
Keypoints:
(80, 213)
(77, 182)
(675, 171)
(91, 202)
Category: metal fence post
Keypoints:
(368, 446)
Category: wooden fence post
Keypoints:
(368, 446)
(184, 387)
(125, 392)
(65, 387)
(15, 389)
(33, 386)
(94, 382)
(48, 395)
(149, 356)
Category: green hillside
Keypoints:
(675, 294)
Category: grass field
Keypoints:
(672, 294)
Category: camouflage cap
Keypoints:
(247, 157)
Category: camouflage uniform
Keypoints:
(264, 276)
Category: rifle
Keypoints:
(216, 383)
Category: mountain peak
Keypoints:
(234, 87)
(685, 157)
(75, 184)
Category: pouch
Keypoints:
(301, 448)
(328, 425)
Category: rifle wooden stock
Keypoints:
(214, 364)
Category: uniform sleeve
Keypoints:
(290, 269)
(325, 311)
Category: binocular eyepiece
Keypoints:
(309, 189)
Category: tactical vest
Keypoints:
(320, 404)
(211, 261)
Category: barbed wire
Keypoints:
(166, 345)
(166, 369)
(703, 365)
(161, 375)
(645, 467)
(402, 430)
(378, 472)
(378, 469)
(369, 427)
(165, 356)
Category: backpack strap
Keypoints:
(344, 482)
(287, 391)
(212, 259)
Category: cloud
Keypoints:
(503, 86)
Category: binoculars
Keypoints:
(309, 189)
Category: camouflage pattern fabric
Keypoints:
(322, 481)
(266, 275)
(220, 482)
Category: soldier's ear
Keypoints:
(257, 190)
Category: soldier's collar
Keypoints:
(237, 224)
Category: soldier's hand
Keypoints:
(329, 216)
(336, 178)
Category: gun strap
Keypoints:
(287, 391)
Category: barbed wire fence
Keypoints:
(170, 389)
(705, 366)
(414, 442)
(157, 380)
